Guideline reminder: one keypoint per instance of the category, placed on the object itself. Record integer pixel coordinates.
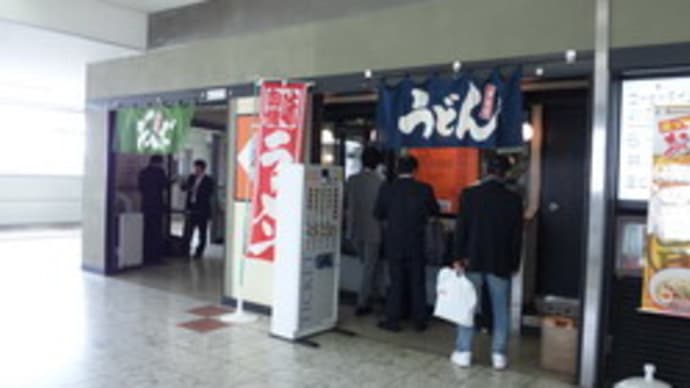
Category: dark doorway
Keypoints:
(344, 129)
(175, 271)
(561, 218)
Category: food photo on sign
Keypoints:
(666, 287)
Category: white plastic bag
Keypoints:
(456, 298)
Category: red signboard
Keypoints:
(282, 109)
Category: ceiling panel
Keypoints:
(151, 6)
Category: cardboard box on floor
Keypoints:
(559, 344)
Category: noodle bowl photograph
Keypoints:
(670, 288)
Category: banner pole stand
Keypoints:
(239, 316)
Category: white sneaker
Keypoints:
(461, 359)
(500, 361)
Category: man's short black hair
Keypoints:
(156, 159)
(371, 157)
(407, 165)
(200, 163)
(499, 165)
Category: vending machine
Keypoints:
(307, 262)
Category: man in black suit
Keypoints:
(153, 184)
(488, 242)
(405, 206)
(200, 188)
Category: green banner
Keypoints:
(159, 130)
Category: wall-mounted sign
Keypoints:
(445, 112)
(282, 108)
(159, 130)
(666, 286)
(219, 94)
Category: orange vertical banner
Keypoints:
(246, 127)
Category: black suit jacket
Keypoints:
(153, 182)
(489, 228)
(405, 206)
(204, 195)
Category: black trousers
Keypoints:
(196, 222)
(408, 285)
(153, 237)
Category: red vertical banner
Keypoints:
(282, 109)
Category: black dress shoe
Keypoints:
(363, 311)
(389, 326)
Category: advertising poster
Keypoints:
(448, 171)
(246, 126)
(666, 286)
(640, 97)
(282, 109)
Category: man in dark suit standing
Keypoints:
(405, 206)
(488, 242)
(153, 184)
(200, 188)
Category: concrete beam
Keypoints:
(95, 20)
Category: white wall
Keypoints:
(40, 200)
(42, 77)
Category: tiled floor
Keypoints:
(65, 328)
(210, 311)
(200, 279)
(524, 351)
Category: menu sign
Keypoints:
(666, 287)
(639, 99)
